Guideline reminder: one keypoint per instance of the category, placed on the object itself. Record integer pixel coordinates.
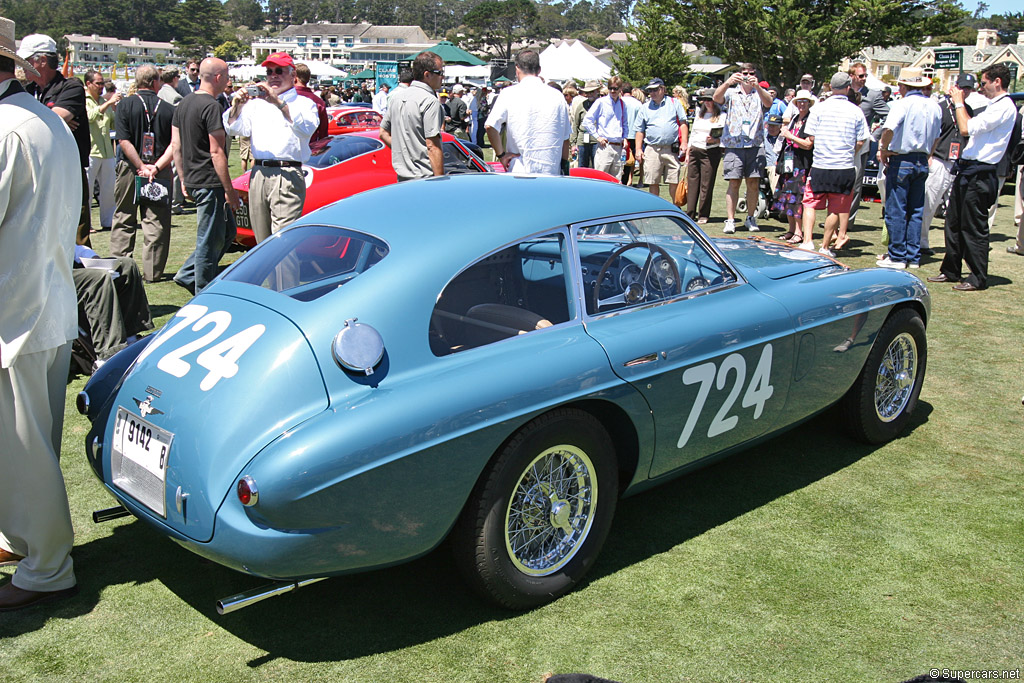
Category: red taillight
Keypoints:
(248, 494)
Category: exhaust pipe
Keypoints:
(109, 514)
(251, 597)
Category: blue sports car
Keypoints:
(498, 380)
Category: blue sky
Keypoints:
(994, 6)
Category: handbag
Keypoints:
(681, 193)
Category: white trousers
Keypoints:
(609, 159)
(34, 517)
(103, 171)
(940, 179)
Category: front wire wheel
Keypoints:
(540, 512)
(879, 404)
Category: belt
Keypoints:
(278, 163)
(615, 143)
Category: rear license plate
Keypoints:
(242, 217)
(139, 460)
(870, 180)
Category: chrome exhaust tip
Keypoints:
(251, 597)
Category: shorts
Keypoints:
(837, 203)
(742, 162)
(660, 165)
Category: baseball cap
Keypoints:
(807, 77)
(457, 88)
(966, 80)
(278, 59)
(840, 80)
(775, 119)
(35, 43)
(764, 85)
(654, 84)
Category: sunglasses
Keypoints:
(439, 72)
(278, 70)
(749, 73)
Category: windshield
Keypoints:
(308, 261)
(334, 150)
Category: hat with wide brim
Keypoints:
(913, 77)
(805, 95)
(7, 46)
(590, 86)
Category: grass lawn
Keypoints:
(810, 558)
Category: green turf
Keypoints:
(810, 558)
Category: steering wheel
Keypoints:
(636, 291)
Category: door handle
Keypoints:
(649, 358)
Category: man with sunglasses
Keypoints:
(279, 123)
(412, 124)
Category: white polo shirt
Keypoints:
(990, 131)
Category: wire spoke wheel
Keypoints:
(550, 510)
(896, 376)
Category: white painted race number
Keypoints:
(708, 375)
(221, 360)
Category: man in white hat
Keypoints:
(66, 97)
(908, 139)
(38, 321)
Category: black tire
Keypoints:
(482, 541)
(901, 347)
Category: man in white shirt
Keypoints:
(380, 100)
(38, 320)
(537, 122)
(279, 124)
(606, 122)
(976, 186)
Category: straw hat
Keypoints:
(913, 77)
(7, 46)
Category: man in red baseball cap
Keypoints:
(279, 123)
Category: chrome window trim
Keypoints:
(692, 229)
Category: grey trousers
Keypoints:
(156, 223)
(276, 196)
(35, 521)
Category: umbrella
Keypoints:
(453, 54)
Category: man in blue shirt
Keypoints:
(606, 122)
(908, 139)
(661, 137)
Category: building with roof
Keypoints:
(348, 46)
(102, 50)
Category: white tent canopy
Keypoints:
(459, 72)
(570, 59)
(242, 71)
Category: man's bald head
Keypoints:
(213, 73)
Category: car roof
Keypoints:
(503, 208)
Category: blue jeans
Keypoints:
(905, 180)
(586, 154)
(215, 231)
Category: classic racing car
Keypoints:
(347, 119)
(499, 381)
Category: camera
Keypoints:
(253, 90)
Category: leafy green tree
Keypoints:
(247, 13)
(498, 23)
(657, 48)
(789, 37)
(197, 24)
(231, 50)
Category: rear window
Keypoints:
(334, 150)
(308, 261)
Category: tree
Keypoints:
(655, 51)
(789, 37)
(197, 25)
(499, 22)
(247, 13)
(231, 50)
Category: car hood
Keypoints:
(772, 259)
(223, 397)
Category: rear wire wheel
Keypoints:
(881, 401)
(541, 511)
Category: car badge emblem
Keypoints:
(146, 407)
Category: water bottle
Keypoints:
(622, 156)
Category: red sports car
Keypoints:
(344, 165)
(346, 119)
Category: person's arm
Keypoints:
(220, 164)
(178, 158)
(494, 137)
(766, 99)
(883, 146)
(961, 113)
(436, 155)
(719, 96)
(385, 128)
(590, 123)
(639, 146)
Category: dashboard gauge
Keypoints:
(697, 283)
(629, 274)
(662, 277)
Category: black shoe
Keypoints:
(191, 287)
(927, 252)
(177, 210)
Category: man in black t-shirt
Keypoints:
(144, 135)
(66, 97)
(198, 142)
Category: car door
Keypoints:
(710, 353)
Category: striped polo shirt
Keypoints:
(836, 124)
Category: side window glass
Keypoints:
(642, 261)
(515, 291)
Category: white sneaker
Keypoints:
(827, 252)
(751, 224)
(806, 246)
(913, 265)
(730, 227)
(886, 262)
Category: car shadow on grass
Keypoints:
(390, 609)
